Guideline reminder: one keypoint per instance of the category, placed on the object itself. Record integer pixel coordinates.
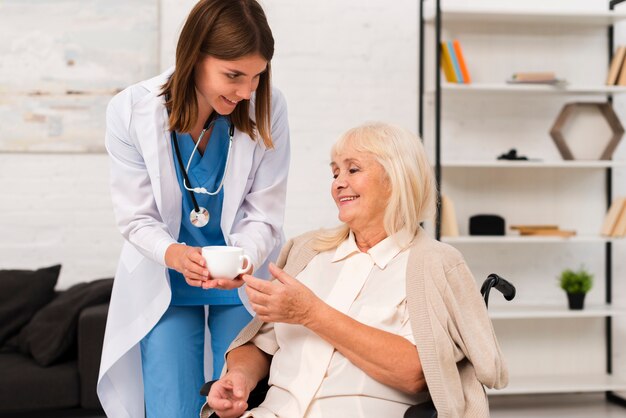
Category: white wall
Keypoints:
(338, 64)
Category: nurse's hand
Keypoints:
(189, 262)
(226, 284)
(228, 396)
(223, 284)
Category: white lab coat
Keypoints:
(147, 203)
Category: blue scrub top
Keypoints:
(206, 170)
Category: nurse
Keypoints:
(199, 156)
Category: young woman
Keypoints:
(199, 156)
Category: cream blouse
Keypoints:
(308, 377)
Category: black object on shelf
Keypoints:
(486, 225)
(512, 155)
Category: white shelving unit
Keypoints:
(561, 384)
(504, 88)
(537, 328)
(515, 311)
(518, 239)
(465, 164)
(527, 17)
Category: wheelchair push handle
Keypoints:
(502, 285)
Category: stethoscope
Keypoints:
(199, 215)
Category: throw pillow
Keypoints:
(52, 331)
(22, 294)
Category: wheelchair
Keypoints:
(422, 410)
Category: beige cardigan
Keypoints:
(453, 333)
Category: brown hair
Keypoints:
(228, 30)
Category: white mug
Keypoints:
(224, 262)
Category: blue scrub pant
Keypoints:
(172, 356)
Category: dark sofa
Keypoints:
(50, 367)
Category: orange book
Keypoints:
(461, 60)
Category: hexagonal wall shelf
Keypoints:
(587, 131)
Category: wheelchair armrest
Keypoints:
(206, 388)
(421, 410)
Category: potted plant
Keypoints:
(576, 284)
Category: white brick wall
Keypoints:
(57, 209)
(339, 64)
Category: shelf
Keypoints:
(512, 311)
(517, 239)
(503, 88)
(579, 405)
(560, 384)
(528, 17)
(598, 164)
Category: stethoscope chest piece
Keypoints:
(199, 215)
(199, 218)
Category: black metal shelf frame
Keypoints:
(610, 396)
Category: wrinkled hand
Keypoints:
(228, 396)
(189, 262)
(282, 300)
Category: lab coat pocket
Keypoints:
(130, 257)
(381, 317)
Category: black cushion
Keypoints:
(51, 334)
(22, 294)
(26, 386)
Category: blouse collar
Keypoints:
(381, 253)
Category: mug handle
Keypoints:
(248, 264)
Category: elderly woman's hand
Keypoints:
(228, 396)
(282, 300)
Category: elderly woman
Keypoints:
(372, 317)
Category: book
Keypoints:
(616, 65)
(621, 80)
(533, 227)
(455, 64)
(544, 77)
(548, 232)
(449, 226)
(543, 230)
(620, 226)
(617, 208)
(446, 64)
(461, 60)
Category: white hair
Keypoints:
(410, 175)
